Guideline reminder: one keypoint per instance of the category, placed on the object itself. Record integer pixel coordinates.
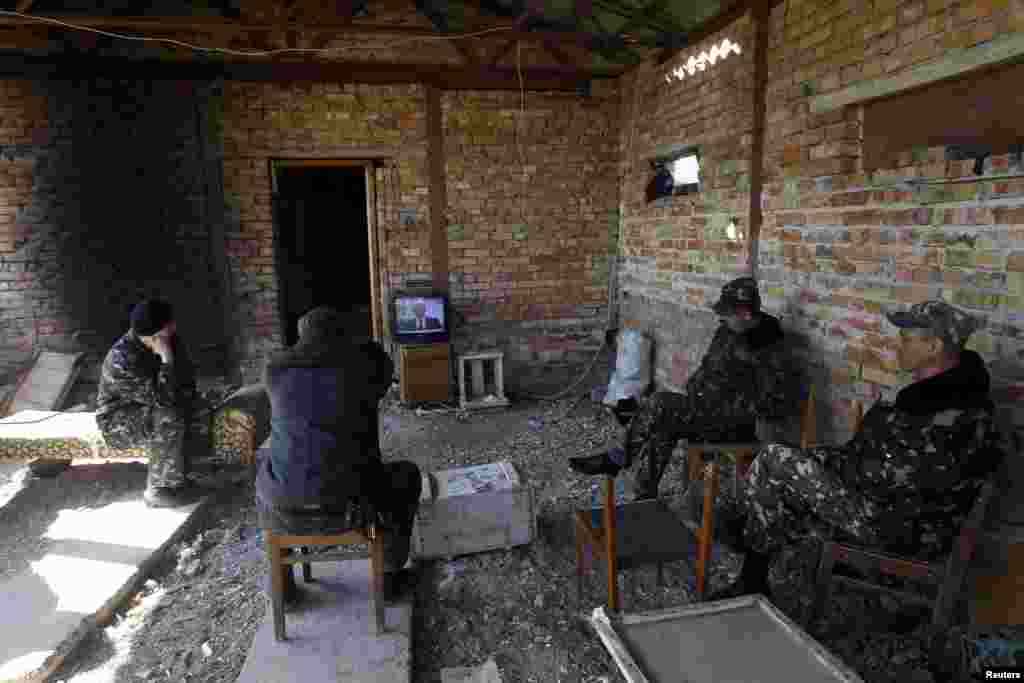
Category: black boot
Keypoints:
(753, 578)
(609, 462)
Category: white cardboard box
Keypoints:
(473, 509)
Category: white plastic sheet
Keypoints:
(632, 373)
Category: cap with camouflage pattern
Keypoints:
(741, 291)
(944, 321)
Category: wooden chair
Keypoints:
(281, 554)
(743, 453)
(949, 574)
(651, 534)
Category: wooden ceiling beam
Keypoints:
(444, 77)
(209, 24)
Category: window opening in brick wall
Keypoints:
(676, 174)
(974, 116)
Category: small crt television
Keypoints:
(419, 318)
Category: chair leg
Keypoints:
(276, 568)
(377, 578)
(823, 583)
(579, 567)
(707, 529)
(307, 568)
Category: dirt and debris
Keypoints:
(196, 618)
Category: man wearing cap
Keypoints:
(324, 473)
(146, 397)
(906, 480)
(747, 373)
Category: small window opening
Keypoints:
(678, 174)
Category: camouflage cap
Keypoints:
(741, 291)
(948, 323)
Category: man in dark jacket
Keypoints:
(146, 399)
(747, 373)
(905, 482)
(324, 473)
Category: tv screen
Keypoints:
(420, 318)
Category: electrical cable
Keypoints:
(248, 53)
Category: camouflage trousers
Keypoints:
(667, 417)
(791, 494)
(160, 431)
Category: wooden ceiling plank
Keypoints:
(445, 77)
(144, 23)
(501, 52)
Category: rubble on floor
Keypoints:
(517, 608)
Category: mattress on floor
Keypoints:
(55, 434)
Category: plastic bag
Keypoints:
(632, 373)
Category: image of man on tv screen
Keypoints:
(421, 322)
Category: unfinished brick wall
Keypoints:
(838, 244)
(326, 121)
(677, 252)
(104, 191)
(532, 211)
(534, 283)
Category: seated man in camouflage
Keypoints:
(324, 472)
(147, 397)
(747, 373)
(904, 483)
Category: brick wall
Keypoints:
(264, 120)
(104, 197)
(678, 251)
(839, 244)
(532, 212)
(533, 282)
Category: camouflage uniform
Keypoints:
(144, 403)
(904, 483)
(723, 398)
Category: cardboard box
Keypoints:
(473, 509)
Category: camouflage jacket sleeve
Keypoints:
(129, 376)
(184, 369)
(899, 454)
(779, 383)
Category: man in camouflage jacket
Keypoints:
(905, 482)
(146, 398)
(746, 374)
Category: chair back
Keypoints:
(808, 420)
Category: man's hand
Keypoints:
(160, 346)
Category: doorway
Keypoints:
(325, 242)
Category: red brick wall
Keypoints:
(838, 245)
(532, 212)
(677, 252)
(529, 276)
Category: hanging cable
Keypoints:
(248, 53)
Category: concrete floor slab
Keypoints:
(95, 558)
(329, 635)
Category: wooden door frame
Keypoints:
(369, 166)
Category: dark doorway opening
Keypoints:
(322, 244)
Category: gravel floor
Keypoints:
(196, 618)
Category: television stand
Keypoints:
(425, 372)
